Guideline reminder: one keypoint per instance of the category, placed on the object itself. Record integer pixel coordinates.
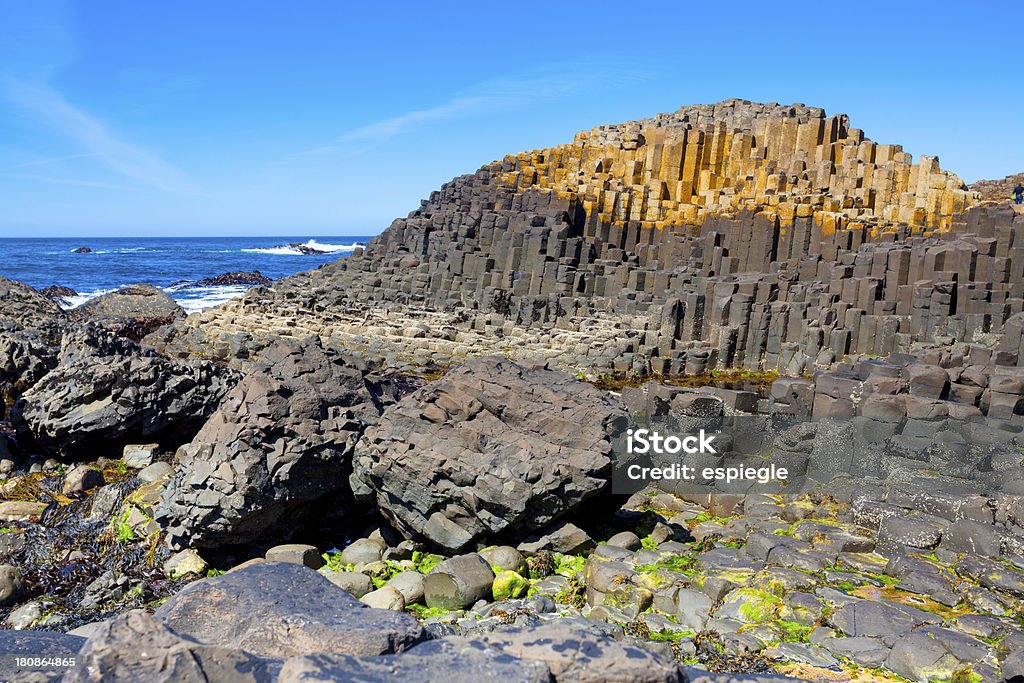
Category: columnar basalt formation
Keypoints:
(676, 169)
(734, 235)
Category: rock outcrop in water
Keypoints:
(132, 312)
(236, 278)
(58, 294)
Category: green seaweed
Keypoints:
(332, 562)
(569, 565)
(425, 562)
(792, 631)
(684, 564)
(424, 612)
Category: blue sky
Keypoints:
(332, 118)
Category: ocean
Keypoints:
(165, 262)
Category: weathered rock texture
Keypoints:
(282, 439)
(131, 312)
(492, 447)
(137, 647)
(29, 330)
(279, 609)
(22, 307)
(736, 235)
(106, 389)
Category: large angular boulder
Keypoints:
(581, 653)
(25, 357)
(30, 328)
(135, 646)
(436, 660)
(106, 390)
(282, 439)
(493, 447)
(22, 307)
(280, 609)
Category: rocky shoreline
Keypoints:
(405, 464)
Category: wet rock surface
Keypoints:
(58, 294)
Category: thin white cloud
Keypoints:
(75, 182)
(48, 162)
(385, 129)
(557, 80)
(93, 135)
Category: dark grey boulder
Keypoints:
(279, 609)
(22, 307)
(564, 537)
(106, 390)
(452, 661)
(281, 440)
(132, 312)
(45, 644)
(30, 328)
(25, 357)
(580, 653)
(39, 643)
(136, 647)
(492, 447)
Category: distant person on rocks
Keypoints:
(1018, 194)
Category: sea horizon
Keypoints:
(170, 263)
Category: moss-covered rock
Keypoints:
(751, 606)
(509, 584)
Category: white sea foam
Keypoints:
(200, 298)
(192, 299)
(286, 250)
(82, 297)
